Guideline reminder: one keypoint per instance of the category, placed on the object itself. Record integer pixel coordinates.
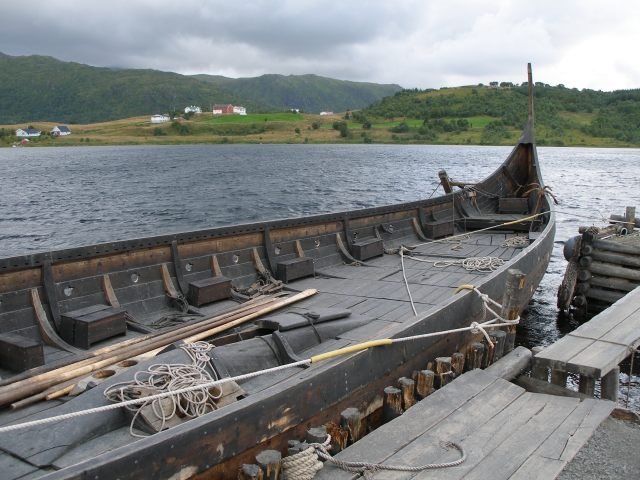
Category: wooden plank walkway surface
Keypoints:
(594, 349)
(505, 431)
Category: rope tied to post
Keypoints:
(122, 401)
(301, 464)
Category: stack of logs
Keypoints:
(354, 423)
(604, 265)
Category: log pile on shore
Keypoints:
(604, 265)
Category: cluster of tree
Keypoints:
(609, 114)
(342, 127)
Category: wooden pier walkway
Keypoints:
(506, 432)
(595, 349)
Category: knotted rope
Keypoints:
(202, 385)
(160, 378)
(304, 465)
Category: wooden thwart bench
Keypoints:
(595, 349)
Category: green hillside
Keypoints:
(496, 115)
(37, 88)
(310, 93)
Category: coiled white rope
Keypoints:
(304, 465)
(159, 378)
(518, 241)
(301, 466)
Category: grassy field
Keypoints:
(286, 128)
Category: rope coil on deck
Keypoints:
(496, 322)
(164, 377)
(304, 465)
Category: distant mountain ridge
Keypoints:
(40, 88)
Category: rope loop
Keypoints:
(365, 468)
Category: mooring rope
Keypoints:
(304, 465)
(401, 251)
(474, 327)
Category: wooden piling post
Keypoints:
(424, 383)
(408, 387)
(498, 337)
(475, 354)
(630, 217)
(295, 446)
(443, 370)
(351, 419)
(269, 463)
(487, 359)
(250, 472)
(559, 377)
(317, 434)
(392, 403)
(537, 371)
(457, 363)
(587, 385)
(609, 385)
(513, 297)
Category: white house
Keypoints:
(326, 113)
(27, 132)
(60, 131)
(160, 118)
(192, 108)
(239, 110)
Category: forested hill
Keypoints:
(563, 116)
(38, 88)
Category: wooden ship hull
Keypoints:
(74, 308)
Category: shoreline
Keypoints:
(281, 128)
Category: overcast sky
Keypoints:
(421, 43)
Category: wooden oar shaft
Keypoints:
(21, 389)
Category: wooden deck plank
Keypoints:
(568, 438)
(478, 411)
(626, 332)
(561, 352)
(504, 461)
(373, 330)
(597, 360)
(609, 319)
(537, 467)
(388, 439)
(489, 436)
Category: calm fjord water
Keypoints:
(52, 198)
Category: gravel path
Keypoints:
(612, 452)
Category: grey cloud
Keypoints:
(416, 43)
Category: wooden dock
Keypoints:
(595, 349)
(505, 431)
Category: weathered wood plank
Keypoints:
(486, 438)
(505, 460)
(478, 411)
(558, 354)
(568, 438)
(421, 417)
(597, 360)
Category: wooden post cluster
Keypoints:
(514, 294)
(267, 467)
(605, 268)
